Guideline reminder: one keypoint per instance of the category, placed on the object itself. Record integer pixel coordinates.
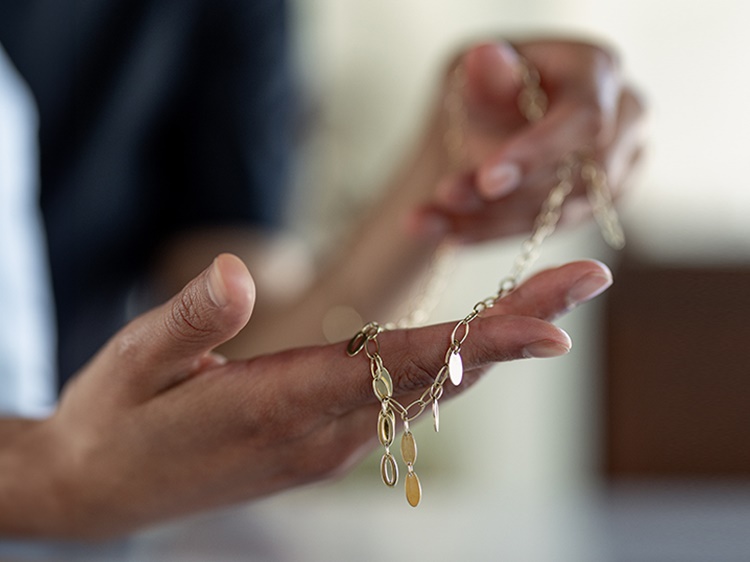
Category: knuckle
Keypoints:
(414, 376)
(184, 320)
(413, 372)
(130, 343)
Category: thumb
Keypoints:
(164, 346)
(492, 77)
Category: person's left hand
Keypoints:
(156, 426)
(509, 164)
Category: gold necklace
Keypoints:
(532, 102)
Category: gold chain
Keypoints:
(532, 103)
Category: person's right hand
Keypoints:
(509, 164)
(156, 426)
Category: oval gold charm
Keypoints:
(386, 427)
(408, 448)
(456, 368)
(413, 489)
(388, 470)
(383, 385)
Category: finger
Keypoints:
(553, 292)
(583, 99)
(414, 357)
(457, 193)
(325, 382)
(539, 149)
(316, 385)
(454, 195)
(621, 159)
(492, 84)
(491, 90)
(544, 296)
(460, 211)
(513, 215)
(627, 145)
(584, 90)
(163, 346)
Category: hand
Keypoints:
(158, 426)
(510, 164)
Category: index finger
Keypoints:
(516, 328)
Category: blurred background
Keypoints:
(635, 446)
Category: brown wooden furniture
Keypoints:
(677, 372)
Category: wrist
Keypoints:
(31, 505)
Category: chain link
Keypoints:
(600, 197)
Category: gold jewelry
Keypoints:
(532, 102)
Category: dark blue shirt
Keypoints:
(156, 116)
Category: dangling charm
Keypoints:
(382, 386)
(388, 469)
(386, 426)
(413, 489)
(409, 454)
(435, 415)
(455, 367)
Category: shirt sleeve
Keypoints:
(156, 116)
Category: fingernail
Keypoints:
(216, 288)
(499, 57)
(587, 287)
(547, 348)
(216, 359)
(208, 361)
(499, 180)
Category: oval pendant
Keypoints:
(388, 470)
(456, 368)
(386, 427)
(408, 448)
(383, 385)
(413, 489)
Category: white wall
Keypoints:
(372, 64)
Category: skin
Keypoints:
(428, 203)
(157, 425)
(590, 109)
